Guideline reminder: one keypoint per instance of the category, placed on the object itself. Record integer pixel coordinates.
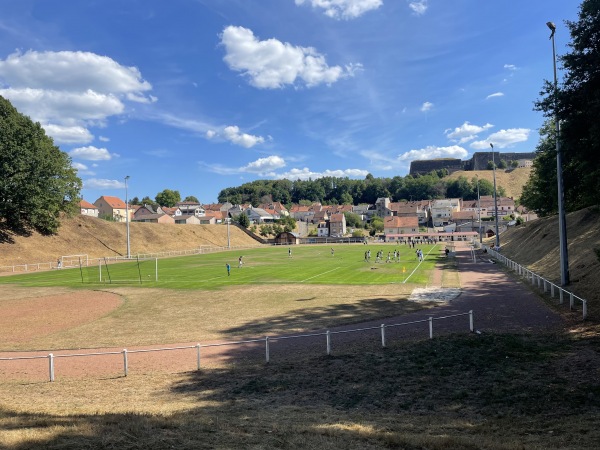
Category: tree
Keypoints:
(502, 164)
(191, 198)
(576, 102)
(148, 201)
(243, 220)
(353, 220)
(38, 181)
(168, 198)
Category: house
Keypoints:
(337, 225)
(275, 206)
(382, 206)
(187, 219)
(320, 216)
(441, 210)
(88, 209)
(395, 227)
(258, 215)
(506, 205)
(193, 208)
(173, 212)
(301, 213)
(323, 229)
(474, 206)
(155, 218)
(112, 207)
(141, 211)
(207, 220)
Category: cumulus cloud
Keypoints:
(343, 9)
(418, 7)
(100, 183)
(433, 152)
(494, 95)
(503, 138)
(466, 132)
(272, 64)
(232, 134)
(91, 153)
(70, 89)
(69, 135)
(265, 165)
(426, 106)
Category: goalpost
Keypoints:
(134, 270)
(73, 261)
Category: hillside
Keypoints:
(512, 180)
(99, 238)
(535, 244)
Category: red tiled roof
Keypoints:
(113, 202)
(88, 205)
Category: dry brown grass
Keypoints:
(99, 238)
(511, 180)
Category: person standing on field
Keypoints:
(228, 269)
(240, 262)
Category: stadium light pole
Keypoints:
(479, 210)
(562, 221)
(127, 218)
(495, 199)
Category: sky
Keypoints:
(200, 95)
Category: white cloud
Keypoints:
(91, 153)
(305, 174)
(232, 134)
(265, 165)
(343, 9)
(503, 138)
(70, 89)
(419, 7)
(426, 106)
(273, 64)
(82, 169)
(69, 135)
(494, 95)
(510, 67)
(466, 132)
(433, 152)
(103, 139)
(99, 183)
(211, 134)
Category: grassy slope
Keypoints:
(512, 180)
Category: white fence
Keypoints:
(542, 283)
(36, 267)
(267, 340)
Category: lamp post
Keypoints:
(495, 198)
(127, 218)
(479, 210)
(562, 221)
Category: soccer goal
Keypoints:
(111, 271)
(73, 261)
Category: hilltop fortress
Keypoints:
(479, 161)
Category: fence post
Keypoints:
(383, 335)
(51, 366)
(328, 334)
(471, 321)
(125, 365)
(571, 300)
(430, 327)
(198, 355)
(552, 290)
(267, 356)
(584, 308)
(560, 293)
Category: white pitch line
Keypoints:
(310, 278)
(411, 274)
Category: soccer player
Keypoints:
(228, 269)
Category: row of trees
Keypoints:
(167, 197)
(339, 191)
(577, 104)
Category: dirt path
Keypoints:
(500, 303)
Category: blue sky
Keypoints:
(200, 95)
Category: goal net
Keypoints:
(111, 271)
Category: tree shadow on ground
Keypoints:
(451, 393)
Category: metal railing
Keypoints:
(539, 281)
(267, 340)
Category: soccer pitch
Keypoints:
(308, 264)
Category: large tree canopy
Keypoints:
(37, 180)
(168, 197)
(577, 105)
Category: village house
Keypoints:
(112, 207)
(88, 209)
(394, 227)
(337, 225)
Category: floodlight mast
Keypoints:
(562, 221)
(127, 218)
(495, 198)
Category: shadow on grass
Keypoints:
(460, 392)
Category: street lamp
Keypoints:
(127, 218)
(479, 210)
(495, 198)
(562, 221)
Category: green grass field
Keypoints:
(268, 265)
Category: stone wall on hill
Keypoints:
(424, 167)
(479, 161)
